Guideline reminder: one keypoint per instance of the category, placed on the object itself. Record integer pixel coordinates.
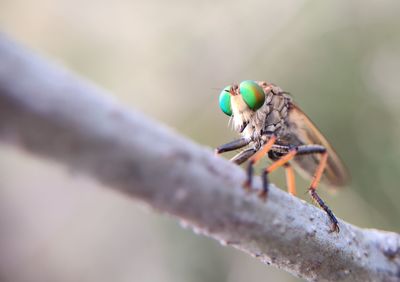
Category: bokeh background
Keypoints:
(168, 59)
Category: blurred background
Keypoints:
(169, 59)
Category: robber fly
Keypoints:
(271, 124)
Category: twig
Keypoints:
(50, 112)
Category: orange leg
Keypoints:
(316, 197)
(318, 149)
(278, 163)
(319, 171)
(282, 161)
(298, 151)
(260, 154)
(290, 179)
(255, 158)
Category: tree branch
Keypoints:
(48, 111)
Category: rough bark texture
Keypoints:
(48, 111)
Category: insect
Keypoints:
(270, 123)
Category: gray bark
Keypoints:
(54, 114)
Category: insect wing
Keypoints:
(335, 173)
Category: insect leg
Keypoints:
(243, 156)
(290, 179)
(310, 149)
(278, 163)
(235, 144)
(255, 158)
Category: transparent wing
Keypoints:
(335, 174)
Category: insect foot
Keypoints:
(247, 186)
(263, 195)
(335, 227)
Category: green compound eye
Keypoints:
(225, 101)
(252, 94)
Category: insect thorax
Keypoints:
(271, 118)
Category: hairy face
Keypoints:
(241, 102)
